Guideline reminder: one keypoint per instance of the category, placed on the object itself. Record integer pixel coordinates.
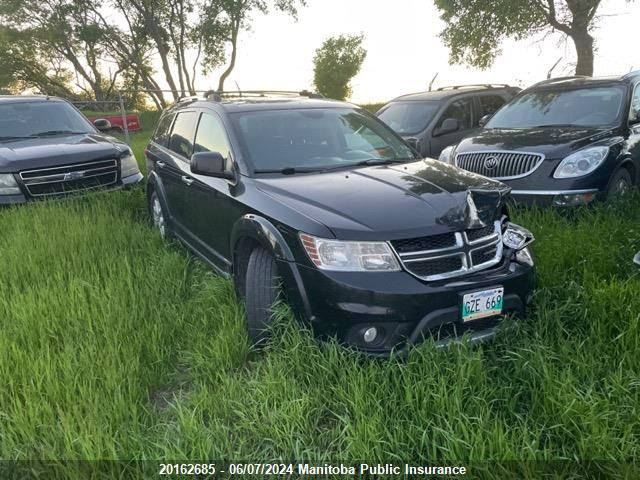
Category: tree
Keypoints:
(234, 16)
(476, 28)
(336, 62)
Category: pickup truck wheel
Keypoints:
(261, 293)
(157, 215)
(619, 184)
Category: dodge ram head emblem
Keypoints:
(490, 163)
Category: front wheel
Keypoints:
(261, 293)
(620, 184)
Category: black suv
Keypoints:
(563, 142)
(48, 148)
(431, 121)
(369, 242)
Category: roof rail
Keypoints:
(218, 96)
(187, 98)
(632, 74)
(551, 81)
(479, 85)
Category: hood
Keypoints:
(57, 150)
(391, 202)
(553, 142)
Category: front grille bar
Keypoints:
(464, 250)
(508, 165)
(68, 179)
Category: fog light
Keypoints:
(370, 335)
(574, 199)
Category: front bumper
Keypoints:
(405, 309)
(127, 182)
(556, 198)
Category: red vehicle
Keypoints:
(114, 122)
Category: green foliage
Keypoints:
(475, 29)
(336, 62)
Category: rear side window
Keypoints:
(181, 140)
(489, 104)
(161, 135)
(462, 110)
(635, 104)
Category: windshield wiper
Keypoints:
(381, 161)
(57, 132)
(290, 170)
(557, 125)
(15, 137)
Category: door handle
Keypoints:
(187, 180)
(161, 164)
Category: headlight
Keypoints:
(581, 163)
(349, 256)
(525, 257)
(128, 165)
(516, 237)
(8, 185)
(446, 155)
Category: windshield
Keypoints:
(31, 119)
(316, 139)
(409, 118)
(582, 107)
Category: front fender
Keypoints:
(263, 231)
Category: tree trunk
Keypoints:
(584, 48)
(232, 63)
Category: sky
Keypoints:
(404, 51)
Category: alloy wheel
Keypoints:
(158, 215)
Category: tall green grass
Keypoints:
(115, 345)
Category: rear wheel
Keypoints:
(261, 293)
(620, 184)
(157, 214)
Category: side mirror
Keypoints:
(210, 164)
(636, 259)
(102, 124)
(448, 126)
(483, 121)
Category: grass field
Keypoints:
(116, 345)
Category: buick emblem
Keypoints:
(490, 163)
(73, 176)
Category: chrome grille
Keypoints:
(450, 255)
(502, 165)
(70, 178)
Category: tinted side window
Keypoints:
(181, 140)
(489, 104)
(161, 135)
(462, 110)
(635, 104)
(212, 137)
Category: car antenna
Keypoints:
(553, 68)
(238, 87)
(433, 80)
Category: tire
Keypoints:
(260, 294)
(619, 184)
(158, 215)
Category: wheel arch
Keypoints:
(247, 233)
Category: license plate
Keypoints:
(485, 303)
